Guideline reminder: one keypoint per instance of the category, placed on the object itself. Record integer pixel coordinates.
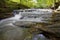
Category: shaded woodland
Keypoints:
(8, 6)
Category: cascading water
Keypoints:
(10, 28)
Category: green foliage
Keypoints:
(12, 5)
(37, 3)
(28, 3)
(9, 5)
(17, 1)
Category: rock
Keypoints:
(8, 31)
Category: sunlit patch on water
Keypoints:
(39, 37)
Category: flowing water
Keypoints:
(11, 31)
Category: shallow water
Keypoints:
(10, 29)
